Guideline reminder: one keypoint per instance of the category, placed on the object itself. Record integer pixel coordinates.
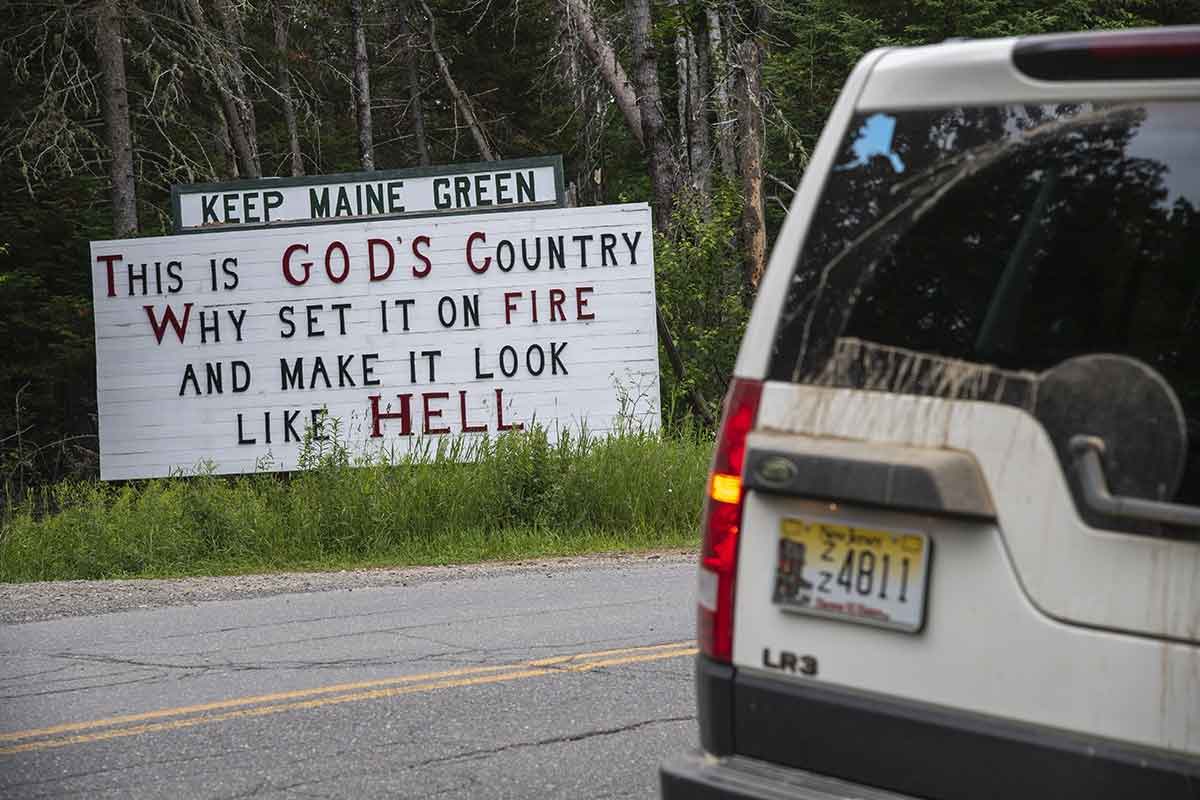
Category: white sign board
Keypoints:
(490, 186)
(222, 348)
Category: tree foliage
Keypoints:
(508, 77)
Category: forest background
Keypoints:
(707, 109)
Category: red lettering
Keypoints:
(557, 298)
(287, 265)
(581, 303)
(421, 273)
(533, 303)
(404, 415)
(108, 260)
(430, 413)
(487, 260)
(462, 415)
(500, 426)
(345, 261)
(391, 258)
(509, 306)
(160, 326)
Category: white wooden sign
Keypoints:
(228, 348)
(419, 192)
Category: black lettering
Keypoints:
(319, 369)
(441, 193)
(368, 371)
(344, 377)
(291, 378)
(229, 205)
(393, 195)
(502, 196)
(318, 205)
(228, 267)
(404, 305)
(341, 309)
(481, 190)
(289, 430)
(525, 191)
(556, 349)
(237, 320)
(525, 255)
(318, 428)
(512, 255)
(343, 208)
(470, 310)
(583, 239)
(479, 373)
(189, 374)
(213, 378)
(462, 191)
(447, 301)
(242, 436)
(608, 243)
(556, 253)
(138, 276)
(270, 200)
(208, 207)
(632, 245)
(311, 310)
(214, 328)
(512, 354)
(285, 317)
(248, 208)
(239, 375)
(173, 272)
(375, 198)
(541, 354)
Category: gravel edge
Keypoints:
(39, 602)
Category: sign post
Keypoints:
(226, 349)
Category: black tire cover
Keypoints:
(1132, 408)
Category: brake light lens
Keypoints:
(722, 520)
(1152, 54)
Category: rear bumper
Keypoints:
(760, 731)
(700, 776)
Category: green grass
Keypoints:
(519, 496)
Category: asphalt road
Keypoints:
(569, 683)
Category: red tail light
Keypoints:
(1150, 54)
(722, 519)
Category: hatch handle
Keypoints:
(1086, 452)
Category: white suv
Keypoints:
(952, 534)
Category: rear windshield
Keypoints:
(1011, 236)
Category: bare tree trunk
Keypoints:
(362, 86)
(110, 52)
(416, 103)
(602, 54)
(280, 17)
(461, 100)
(693, 116)
(750, 115)
(231, 24)
(719, 66)
(418, 111)
(230, 89)
(221, 132)
(654, 135)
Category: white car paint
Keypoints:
(1036, 617)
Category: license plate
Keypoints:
(856, 574)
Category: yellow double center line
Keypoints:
(170, 719)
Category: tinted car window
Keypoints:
(1013, 237)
